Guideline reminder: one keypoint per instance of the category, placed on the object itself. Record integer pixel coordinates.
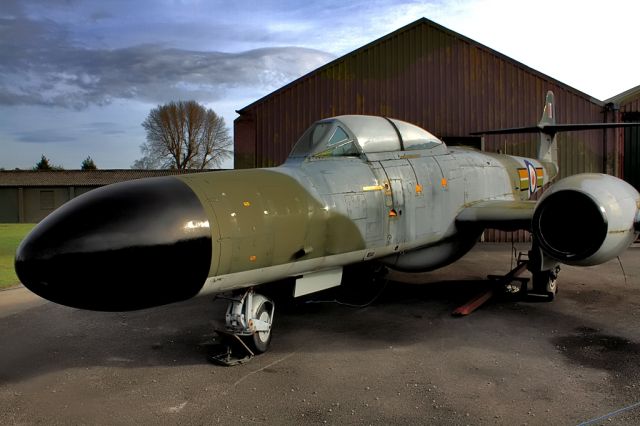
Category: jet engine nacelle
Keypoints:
(587, 219)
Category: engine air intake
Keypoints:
(570, 225)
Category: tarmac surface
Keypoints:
(401, 360)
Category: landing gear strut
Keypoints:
(545, 283)
(247, 332)
(544, 274)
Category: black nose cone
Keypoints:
(126, 246)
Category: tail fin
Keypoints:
(547, 145)
(547, 129)
(549, 112)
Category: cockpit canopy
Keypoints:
(352, 135)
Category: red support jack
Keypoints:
(473, 304)
(499, 281)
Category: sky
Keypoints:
(78, 77)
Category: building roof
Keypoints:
(31, 178)
(417, 24)
(625, 97)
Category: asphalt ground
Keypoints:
(401, 360)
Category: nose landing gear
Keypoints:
(247, 332)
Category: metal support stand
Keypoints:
(232, 350)
(499, 282)
(507, 281)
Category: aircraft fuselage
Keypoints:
(267, 224)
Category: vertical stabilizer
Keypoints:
(547, 129)
(549, 111)
(547, 145)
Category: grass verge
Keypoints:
(10, 236)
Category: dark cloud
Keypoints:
(44, 136)
(100, 15)
(10, 9)
(41, 65)
(76, 53)
(104, 127)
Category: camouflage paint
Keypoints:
(262, 217)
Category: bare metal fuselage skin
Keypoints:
(307, 215)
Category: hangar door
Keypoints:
(631, 166)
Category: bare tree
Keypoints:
(184, 135)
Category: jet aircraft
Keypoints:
(354, 190)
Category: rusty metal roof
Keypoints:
(30, 178)
(625, 97)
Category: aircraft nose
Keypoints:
(125, 246)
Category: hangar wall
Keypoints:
(627, 107)
(430, 76)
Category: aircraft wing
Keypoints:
(555, 128)
(506, 215)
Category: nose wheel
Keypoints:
(260, 339)
(247, 332)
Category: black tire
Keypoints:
(259, 341)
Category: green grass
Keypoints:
(10, 236)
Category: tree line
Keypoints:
(45, 164)
(180, 135)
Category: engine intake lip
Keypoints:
(570, 225)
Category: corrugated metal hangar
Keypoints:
(627, 107)
(444, 82)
